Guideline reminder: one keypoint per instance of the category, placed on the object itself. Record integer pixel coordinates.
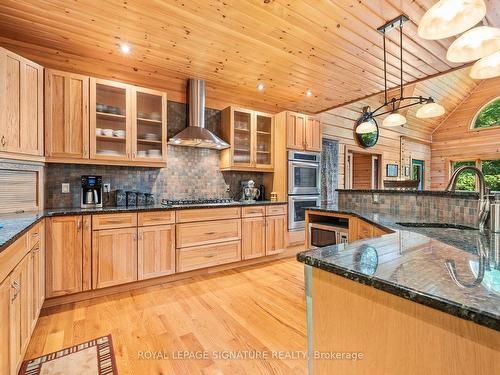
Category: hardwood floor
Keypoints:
(257, 309)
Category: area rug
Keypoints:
(94, 357)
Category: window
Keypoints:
(467, 180)
(488, 115)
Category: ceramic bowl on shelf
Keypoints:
(119, 133)
(141, 115)
(100, 107)
(98, 131)
(154, 153)
(107, 132)
(151, 137)
(156, 116)
(108, 152)
(142, 154)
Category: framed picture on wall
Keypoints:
(392, 170)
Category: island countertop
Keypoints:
(456, 271)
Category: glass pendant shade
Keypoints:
(394, 119)
(366, 127)
(450, 17)
(474, 44)
(487, 67)
(430, 110)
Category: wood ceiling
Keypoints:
(331, 47)
(449, 90)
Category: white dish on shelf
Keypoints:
(108, 152)
(107, 132)
(151, 137)
(142, 154)
(98, 131)
(154, 153)
(156, 116)
(119, 133)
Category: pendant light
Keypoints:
(394, 119)
(474, 44)
(430, 110)
(487, 67)
(450, 17)
(366, 127)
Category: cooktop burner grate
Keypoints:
(185, 202)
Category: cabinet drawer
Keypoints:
(276, 210)
(204, 233)
(204, 214)
(111, 221)
(34, 234)
(208, 256)
(253, 211)
(156, 218)
(365, 230)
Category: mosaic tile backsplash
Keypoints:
(460, 210)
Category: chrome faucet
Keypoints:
(484, 202)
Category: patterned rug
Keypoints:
(94, 357)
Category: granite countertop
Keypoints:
(434, 193)
(456, 271)
(14, 226)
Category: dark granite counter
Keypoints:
(435, 193)
(15, 225)
(456, 271)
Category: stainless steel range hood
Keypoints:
(195, 135)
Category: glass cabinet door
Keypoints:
(110, 123)
(149, 125)
(242, 137)
(264, 129)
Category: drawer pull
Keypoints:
(17, 288)
(209, 233)
(210, 255)
(113, 221)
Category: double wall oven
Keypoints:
(304, 172)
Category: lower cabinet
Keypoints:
(275, 234)
(192, 258)
(68, 252)
(155, 251)
(114, 257)
(5, 325)
(253, 237)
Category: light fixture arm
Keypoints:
(419, 100)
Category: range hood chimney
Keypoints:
(195, 135)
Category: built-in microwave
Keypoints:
(297, 206)
(323, 234)
(304, 173)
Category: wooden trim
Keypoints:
(289, 253)
(490, 100)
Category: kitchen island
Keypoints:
(412, 301)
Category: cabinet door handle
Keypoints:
(36, 249)
(133, 155)
(79, 225)
(17, 288)
(85, 151)
(4, 141)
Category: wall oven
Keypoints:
(324, 234)
(304, 173)
(297, 206)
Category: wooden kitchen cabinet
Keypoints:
(21, 107)
(303, 132)
(253, 237)
(156, 251)
(251, 137)
(5, 325)
(114, 257)
(37, 253)
(66, 115)
(207, 232)
(67, 255)
(275, 234)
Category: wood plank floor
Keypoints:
(254, 309)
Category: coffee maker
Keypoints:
(91, 192)
(249, 193)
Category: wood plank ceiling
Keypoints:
(331, 47)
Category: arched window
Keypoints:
(488, 116)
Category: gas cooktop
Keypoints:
(186, 202)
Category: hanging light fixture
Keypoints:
(487, 67)
(363, 123)
(474, 44)
(430, 110)
(450, 17)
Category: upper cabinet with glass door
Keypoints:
(150, 112)
(110, 120)
(250, 135)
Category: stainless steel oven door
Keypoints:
(303, 178)
(297, 206)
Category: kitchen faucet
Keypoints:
(484, 202)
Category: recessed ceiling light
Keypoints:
(260, 86)
(125, 48)
(309, 93)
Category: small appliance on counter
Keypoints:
(249, 193)
(91, 192)
(131, 198)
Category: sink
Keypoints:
(437, 225)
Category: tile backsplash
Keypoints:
(190, 172)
